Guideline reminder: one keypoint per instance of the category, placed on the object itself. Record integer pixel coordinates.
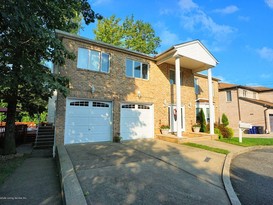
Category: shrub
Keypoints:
(225, 121)
(202, 121)
(226, 132)
(218, 132)
(164, 127)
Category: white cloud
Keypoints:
(187, 5)
(228, 10)
(244, 18)
(167, 37)
(266, 53)
(269, 3)
(265, 75)
(195, 18)
(165, 11)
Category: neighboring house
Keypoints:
(247, 104)
(118, 91)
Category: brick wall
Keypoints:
(229, 108)
(116, 87)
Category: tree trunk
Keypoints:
(9, 141)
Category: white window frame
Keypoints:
(133, 69)
(228, 92)
(89, 60)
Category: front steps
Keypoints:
(186, 137)
(44, 137)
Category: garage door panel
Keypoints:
(88, 121)
(136, 123)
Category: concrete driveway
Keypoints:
(148, 172)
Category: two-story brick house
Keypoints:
(115, 90)
(247, 104)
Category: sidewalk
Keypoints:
(35, 182)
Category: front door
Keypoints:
(173, 118)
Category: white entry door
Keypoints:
(136, 121)
(87, 121)
(173, 118)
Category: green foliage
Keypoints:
(218, 132)
(164, 127)
(202, 121)
(8, 166)
(28, 39)
(225, 121)
(212, 149)
(226, 132)
(131, 34)
(248, 142)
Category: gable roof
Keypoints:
(193, 55)
(259, 102)
(228, 86)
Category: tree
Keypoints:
(135, 35)
(27, 31)
(225, 121)
(109, 31)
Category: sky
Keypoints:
(238, 33)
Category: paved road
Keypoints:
(252, 177)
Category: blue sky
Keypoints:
(238, 33)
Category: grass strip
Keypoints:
(212, 149)
(248, 142)
(8, 166)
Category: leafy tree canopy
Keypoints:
(28, 39)
(131, 34)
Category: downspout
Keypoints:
(239, 109)
(265, 119)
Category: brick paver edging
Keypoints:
(71, 189)
(226, 173)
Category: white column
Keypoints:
(211, 107)
(178, 96)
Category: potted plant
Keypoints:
(164, 129)
(196, 127)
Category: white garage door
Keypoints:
(136, 121)
(87, 121)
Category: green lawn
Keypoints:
(7, 167)
(248, 142)
(212, 149)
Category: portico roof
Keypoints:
(193, 55)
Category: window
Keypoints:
(137, 69)
(172, 77)
(80, 103)
(244, 93)
(143, 107)
(100, 104)
(196, 86)
(93, 60)
(129, 106)
(229, 98)
(254, 95)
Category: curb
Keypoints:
(71, 190)
(226, 173)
